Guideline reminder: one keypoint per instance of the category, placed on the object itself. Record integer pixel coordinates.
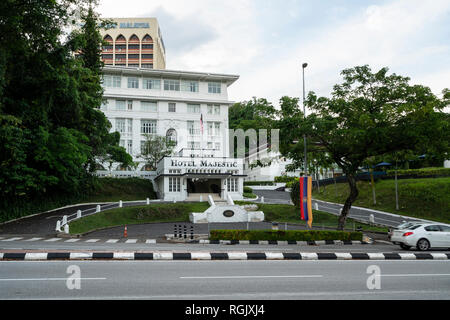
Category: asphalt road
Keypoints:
(225, 280)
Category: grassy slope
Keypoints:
(137, 215)
(110, 190)
(421, 198)
(179, 212)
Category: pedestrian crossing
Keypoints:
(78, 240)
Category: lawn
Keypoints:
(177, 212)
(420, 198)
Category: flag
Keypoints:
(201, 122)
(305, 200)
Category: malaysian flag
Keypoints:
(201, 122)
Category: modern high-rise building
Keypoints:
(134, 42)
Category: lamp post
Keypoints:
(304, 116)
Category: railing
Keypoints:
(64, 223)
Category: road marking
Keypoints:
(252, 277)
(33, 239)
(53, 239)
(92, 240)
(51, 279)
(13, 239)
(72, 240)
(131, 241)
(112, 241)
(417, 275)
(150, 241)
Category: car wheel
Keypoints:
(423, 245)
(404, 246)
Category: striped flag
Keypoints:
(305, 200)
(201, 122)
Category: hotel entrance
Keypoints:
(204, 187)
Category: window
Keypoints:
(193, 128)
(133, 47)
(121, 47)
(151, 84)
(214, 87)
(193, 145)
(172, 107)
(130, 126)
(210, 145)
(147, 46)
(116, 81)
(130, 146)
(107, 56)
(148, 126)
(121, 57)
(130, 105)
(171, 135)
(133, 83)
(193, 108)
(172, 85)
(214, 109)
(232, 185)
(120, 105)
(174, 184)
(217, 146)
(433, 229)
(111, 81)
(148, 106)
(147, 56)
(120, 127)
(133, 56)
(147, 65)
(217, 128)
(210, 128)
(189, 86)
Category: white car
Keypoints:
(422, 236)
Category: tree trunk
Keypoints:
(372, 182)
(348, 203)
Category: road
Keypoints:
(249, 280)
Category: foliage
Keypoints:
(289, 235)
(420, 198)
(368, 115)
(281, 179)
(156, 148)
(52, 131)
(422, 172)
(258, 183)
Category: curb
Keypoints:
(196, 256)
(281, 243)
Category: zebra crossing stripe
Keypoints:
(150, 241)
(72, 240)
(33, 239)
(53, 240)
(112, 241)
(13, 239)
(131, 241)
(92, 240)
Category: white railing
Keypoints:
(67, 219)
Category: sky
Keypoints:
(266, 42)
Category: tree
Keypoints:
(156, 148)
(368, 115)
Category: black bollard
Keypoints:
(185, 232)
(192, 232)
(174, 230)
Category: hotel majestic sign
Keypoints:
(203, 163)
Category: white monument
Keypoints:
(228, 212)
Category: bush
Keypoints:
(248, 190)
(290, 235)
(286, 179)
(422, 172)
(249, 195)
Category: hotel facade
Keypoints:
(191, 109)
(134, 42)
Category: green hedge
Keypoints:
(290, 235)
(422, 172)
(286, 179)
(258, 183)
(248, 190)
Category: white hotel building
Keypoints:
(170, 103)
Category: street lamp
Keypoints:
(304, 116)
